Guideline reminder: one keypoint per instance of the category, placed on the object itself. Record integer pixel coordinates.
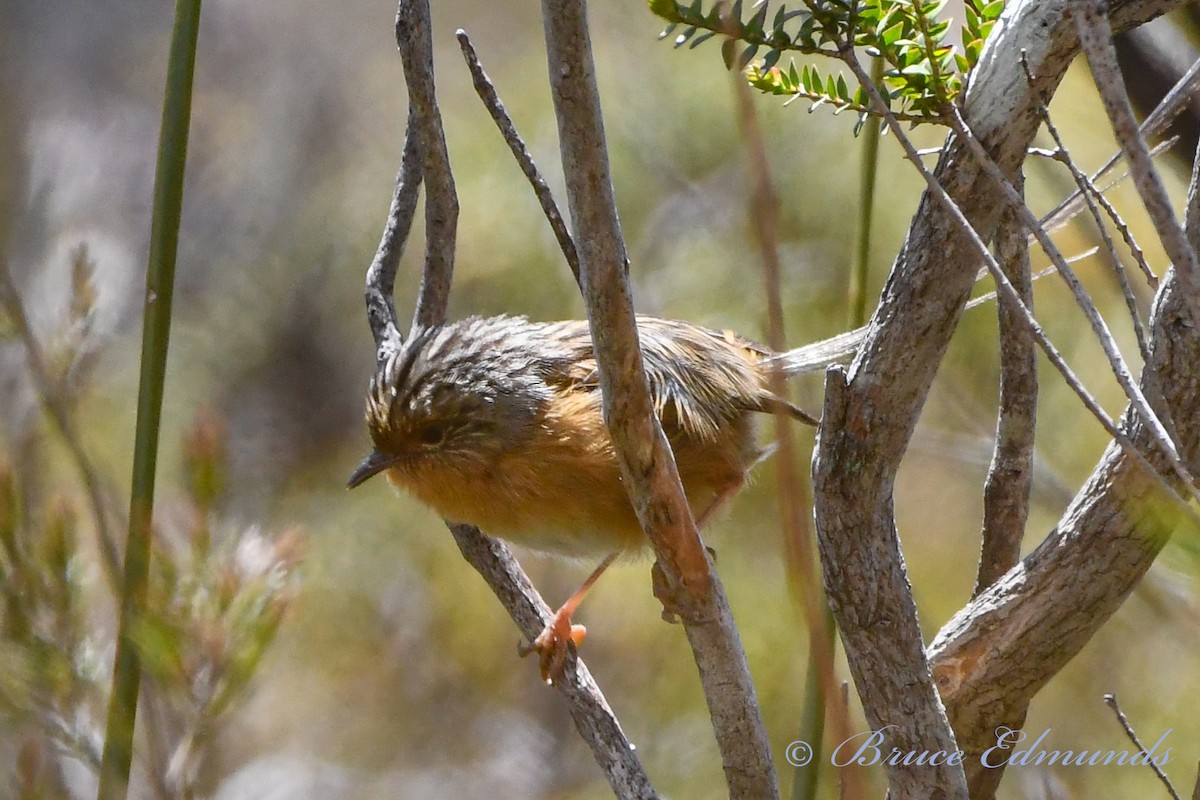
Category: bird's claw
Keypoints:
(552, 645)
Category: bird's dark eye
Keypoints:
(432, 434)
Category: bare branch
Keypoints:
(1010, 475)
(1111, 701)
(491, 101)
(414, 39)
(381, 275)
(647, 464)
(1159, 427)
(1093, 197)
(1003, 647)
(1095, 35)
(593, 718)
(1171, 106)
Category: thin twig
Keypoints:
(1092, 196)
(1083, 300)
(1156, 426)
(1004, 286)
(688, 583)
(441, 203)
(1095, 37)
(381, 275)
(1164, 113)
(57, 410)
(491, 101)
(1073, 206)
(1111, 701)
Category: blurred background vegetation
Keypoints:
(393, 672)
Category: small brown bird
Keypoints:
(497, 422)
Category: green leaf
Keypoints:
(666, 9)
(747, 56)
(728, 52)
(755, 26)
(892, 35)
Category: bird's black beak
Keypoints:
(372, 465)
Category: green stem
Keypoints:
(156, 328)
(868, 177)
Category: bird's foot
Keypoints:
(552, 644)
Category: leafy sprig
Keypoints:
(924, 73)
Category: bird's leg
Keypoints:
(723, 497)
(551, 644)
(662, 590)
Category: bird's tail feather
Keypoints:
(818, 355)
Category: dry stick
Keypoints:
(56, 409)
(1083, 300)
(1093, 196)
(491, 558)
(1162, 116)
(1111, 700)
(1095, 37)
(1009, 481)
(491, 101)
(593, 718)
(1005, 287)
(688, 585)
(441, 203)
(1068, 210)
(381, 275)
(1137, 398)
(1135, 250)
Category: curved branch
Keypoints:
(381, 275)
(995, 654)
